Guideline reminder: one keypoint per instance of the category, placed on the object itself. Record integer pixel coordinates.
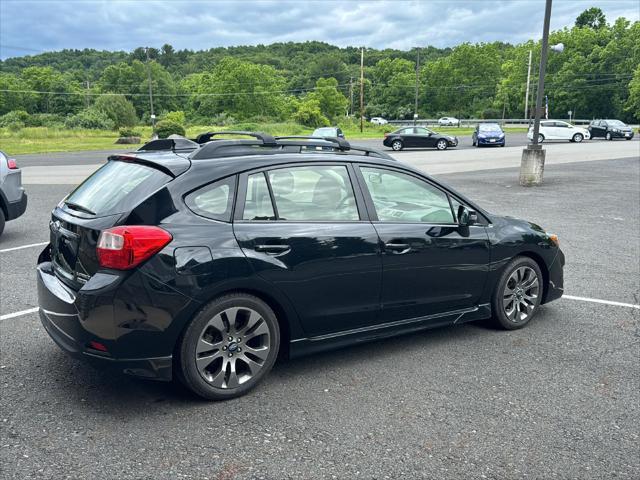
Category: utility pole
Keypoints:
(526, 98)
(532, 164)
(153, 116)
(415, 108)
(361, 89)
(351, 95)
(86, 97)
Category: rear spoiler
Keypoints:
(172, 165)
(171, 144)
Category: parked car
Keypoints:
(328, 132)
(418, 137)
(13, 198)
(559, 130)
(378, 121)
(206, 265)
(448, 121)
(610, 129)
(488, 134)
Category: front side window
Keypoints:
(214, 200)
(313, 193)
(257, 205)
(399, 197)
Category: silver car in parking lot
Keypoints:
(13, 198)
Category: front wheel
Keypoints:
(608, 136)
(442, 144)
(397, 145)
(2, 220)
(229, 347)
(540, 138)
(518, 293)
(577, 138)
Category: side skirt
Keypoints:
(306, 346)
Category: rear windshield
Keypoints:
(116, 187)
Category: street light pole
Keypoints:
(415, 109)
(361, 89)
(526, 98)
(153, 116)
(532, 164)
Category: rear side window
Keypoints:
(214, 201)
(258, 204)
(116, 187)
(313, 193)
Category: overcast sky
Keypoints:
(29, 27)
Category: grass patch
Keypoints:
(46, 140)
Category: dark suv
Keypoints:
(203, 262)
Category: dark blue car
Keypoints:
(488, 134)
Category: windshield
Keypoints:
(489, 127)
(115, 188)
(616, 123)
(324, 132)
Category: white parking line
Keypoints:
(23, 246)
(18, 314)
(568, 297)
(605, 302)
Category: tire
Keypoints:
(520, 287)
(2, 221)
(577, 138)
(228, 368)
(540, 138)
(397, 145)
(503, 145)
(608, 136)
(627, 138)
(441, 144)
(473, 143)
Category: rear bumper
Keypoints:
(17, 208)
(74, 320)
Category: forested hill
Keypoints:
(597, 75)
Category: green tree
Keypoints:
(308, 113)
(633, 102)
(120, 110)
(332, 102)
(592, 17)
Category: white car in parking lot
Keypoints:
(446, 121)
(559, 130)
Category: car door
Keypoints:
(547, 129)
(304, 230)
(424, 137)
(431, 265)
(408, 137)
(597, 128)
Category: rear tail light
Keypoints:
(125, 247)
(12, 164)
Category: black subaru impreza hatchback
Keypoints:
(204, 260)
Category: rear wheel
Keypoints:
(577, 138)
(441, 144)
(229, 347)
(397, 145)
(608, 136)
(518, 293)
(1, 220)
(540, 138)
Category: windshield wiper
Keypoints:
(80, 208)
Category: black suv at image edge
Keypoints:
(205, 261)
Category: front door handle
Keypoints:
(397, 248)
(272, 249)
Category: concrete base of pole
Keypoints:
(532, 166)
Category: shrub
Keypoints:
(15, 126)
(164, 128)
(118, 109)
(15, 116)
(46, 120)
(222, 119)
(176, 117)
(309, 114)
(129, 132)
(90, 118)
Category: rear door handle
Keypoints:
(272, 249)
(397, 248)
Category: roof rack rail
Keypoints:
(342, 143)
(208, 136)
(163, 144)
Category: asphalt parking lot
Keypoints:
(558, 399)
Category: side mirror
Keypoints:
(466, 217)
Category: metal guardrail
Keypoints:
(472, 122)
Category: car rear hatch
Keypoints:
(102, 201)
